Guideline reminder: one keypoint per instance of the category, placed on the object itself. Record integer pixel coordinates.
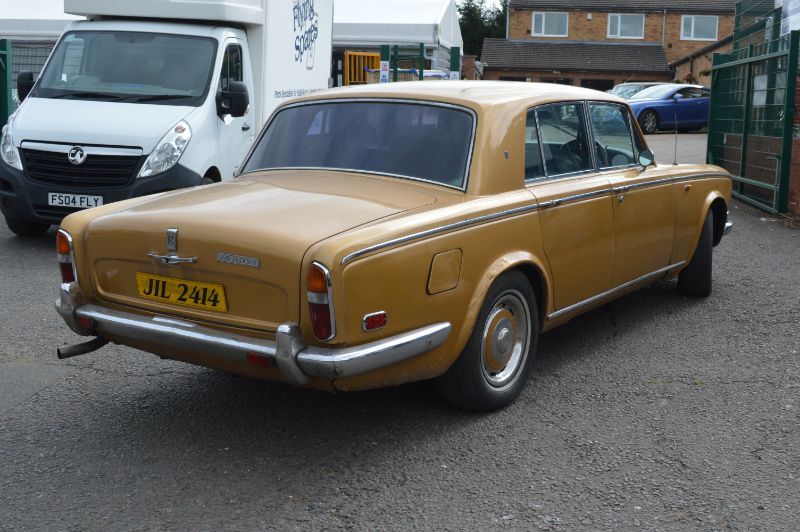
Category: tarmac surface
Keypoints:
(653, 412)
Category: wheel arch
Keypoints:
(214, 174)
(534, 271)
(720, 210)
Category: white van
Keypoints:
(154, 95)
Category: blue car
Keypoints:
(672, 106)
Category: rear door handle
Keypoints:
(245, 127)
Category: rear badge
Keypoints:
(238, 260)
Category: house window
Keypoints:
(625, 26)
(550, 24)
(699, 28)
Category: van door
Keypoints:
(235, 134)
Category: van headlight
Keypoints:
(168, 150)
(8, 151)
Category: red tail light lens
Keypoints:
(65, 253)
(320, 302)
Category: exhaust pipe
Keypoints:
(81, 349)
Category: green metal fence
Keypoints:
(6, 80)
(751, 126)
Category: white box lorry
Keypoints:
(153, 95)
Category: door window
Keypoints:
(691, 92)
(564, 139)
(231, 66)
(613, 137)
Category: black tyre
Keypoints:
(24, 228)
(494, 366)
(695, 279)
(649, 122)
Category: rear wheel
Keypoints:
(25, 228)
(494, 366)
(695, 279)
(649, 122)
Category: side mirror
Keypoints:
(678, 96)
(646, 158)
(25, 83)
(234, 101)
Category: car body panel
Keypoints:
(379, 236)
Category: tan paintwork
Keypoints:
(571, 251)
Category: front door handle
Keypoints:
(621, 198)
(245, 127)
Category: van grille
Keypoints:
(98, 171)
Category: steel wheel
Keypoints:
(495, 364)
(506, 339)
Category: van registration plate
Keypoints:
(195, 294)
(77, 201)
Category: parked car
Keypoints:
(671, 106)
(384, 234)
(630, 89)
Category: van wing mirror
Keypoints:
(234, 100)
(25, 83)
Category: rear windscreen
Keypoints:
(419, 141)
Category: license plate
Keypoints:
(77, 201)
(206, 296)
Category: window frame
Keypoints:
(637, 140)
(544, 14)
(684, 18)
(619, 26)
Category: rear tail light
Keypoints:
(65, 252)
(320, 301)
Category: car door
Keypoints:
(576, 214)
(235, 134)
(690, 107)
(644, 209)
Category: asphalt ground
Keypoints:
(655, 412)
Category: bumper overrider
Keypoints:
(296, 361)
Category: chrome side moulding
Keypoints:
(296, 361)
(607, 293)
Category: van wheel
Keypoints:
(493, 368)
(24, 228)
(695, 279)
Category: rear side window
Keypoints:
(613, 137)
(564, 138)
(533, 150)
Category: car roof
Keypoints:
(470, 93)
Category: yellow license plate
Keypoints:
(181, 292)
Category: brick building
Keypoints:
(599, 43)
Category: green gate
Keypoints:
(6, 80)
(751, 128)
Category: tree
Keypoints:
(478, 21)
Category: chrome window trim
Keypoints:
(607, 293)
(515, 212)
(429, 103)
(327, 273)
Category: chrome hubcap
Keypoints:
(650, 122)
(506, 338)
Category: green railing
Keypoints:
(751, 123)
(6, 81)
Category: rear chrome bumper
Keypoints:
(295, 360)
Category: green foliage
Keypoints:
(479, 21)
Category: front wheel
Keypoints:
(649, 122)
(695, 279)
(493, 368)
(26, 229)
